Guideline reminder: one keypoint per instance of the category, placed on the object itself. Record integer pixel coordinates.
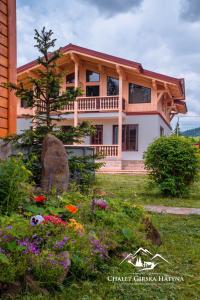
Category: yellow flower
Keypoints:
(76, 226)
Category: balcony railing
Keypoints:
(92, 104)
(105, 150)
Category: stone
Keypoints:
(55, 169)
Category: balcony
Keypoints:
(92, 104)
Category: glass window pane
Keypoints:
(92, 91)
(112, 86)
(70, 78)
(139, 94)
(92, 76)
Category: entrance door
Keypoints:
(97, 138)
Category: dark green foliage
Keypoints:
(14, 184)
(173, 164)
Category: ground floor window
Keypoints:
(129, 137)
(97, 138)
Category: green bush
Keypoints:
(173, 164)
(14, 184)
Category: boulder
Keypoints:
(55, 169)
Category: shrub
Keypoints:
(14, 184)
(173, 164)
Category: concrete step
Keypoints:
(129, 172)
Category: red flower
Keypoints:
(40, 199)
(54, 220)
(71, 208)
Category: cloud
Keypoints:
(191, 10)
(155, 35)
(112, 7)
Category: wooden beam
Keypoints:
(121, 72)
(74, 57)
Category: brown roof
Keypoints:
(70, 47)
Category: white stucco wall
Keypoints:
(23, 124)
(148, 130)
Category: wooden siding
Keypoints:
(7, 66)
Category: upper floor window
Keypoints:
(112, 86)
(70, 78)
(139, 94)
(92, 76)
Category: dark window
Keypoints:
(97, 138)
(139, 94)
(70, 78)
(70, 88)
(66, 128)
(24, 103)
(92, 91)
(161, 131)
(112, 86)
(92, 76)
(129, 137)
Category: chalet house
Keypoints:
(129, 106)
(8, 72)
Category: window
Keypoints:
(139, 94)
(92, 91)
(70, 78)
(70, 89)
(24, 103)
(92, 76)
(129, 137)
(112, 86)
(97, 138)
(161, 131)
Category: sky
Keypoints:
(163, 35)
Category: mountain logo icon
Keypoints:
(144, 260)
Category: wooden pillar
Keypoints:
(76, 103)
(75, 59)
(120, 118)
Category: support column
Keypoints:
(120, 118)
(75, 59)
(76, 103)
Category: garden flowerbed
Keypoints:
(53, 238)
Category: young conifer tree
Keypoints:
(44, 96)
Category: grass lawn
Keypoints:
(138, 189)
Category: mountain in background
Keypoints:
(191, 132)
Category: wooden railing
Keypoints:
(105, 150)
(92, 104)
(107, 103)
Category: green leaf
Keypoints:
(128, 233)
(4, 259)
(12, 245)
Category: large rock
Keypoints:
(55, 169)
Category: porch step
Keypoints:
(136, 165)
(129, 172)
